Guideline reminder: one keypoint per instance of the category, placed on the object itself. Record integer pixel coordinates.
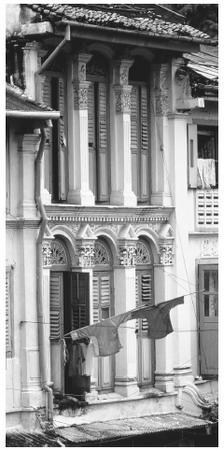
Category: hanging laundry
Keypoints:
(206, 173)
(106, 333)
(159, 323)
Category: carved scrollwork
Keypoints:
(86, 255)
(102, 255)
(58, 255)
(142, 254)
(47, 253)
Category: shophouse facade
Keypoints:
(122, 216)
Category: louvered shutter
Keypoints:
(102, 172)
(105, 290)
(47, 100)
(135, 139)
(137, 299)
(61, 140)
(96, 295)
(56, 300)
(80, 300)
(144, 136)
(8, 330)
(146, 295)
(192, 155)
(92, 137)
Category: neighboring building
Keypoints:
(126, 207)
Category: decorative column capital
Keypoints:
(127, 253)
(47, 252)
(80, 92)
(166, 254)
(86, 252)
(79, 66)
(161, 77)
(27, 143)
(121, 71)
(122, 98)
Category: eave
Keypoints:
(44, 115)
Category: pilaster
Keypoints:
(161, 154)
(121, 184)
(124, 278)
(27, 147)
(78, 152)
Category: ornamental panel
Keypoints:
(58, 253)
(142, 254)
(102, 255)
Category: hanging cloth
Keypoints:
(106, 331)
(206, 173)
(158, 317)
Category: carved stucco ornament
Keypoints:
(166, 252)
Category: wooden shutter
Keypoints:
(105, 290)
(47, 99)
(80, 300)
(144, 172)
(8, 324)
(61, 140)
(102, 156)
(96, 296)
(56, 302)
(192, 155)
(135, 139)
(92, 137)
(146, 294)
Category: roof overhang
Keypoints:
(43, 115)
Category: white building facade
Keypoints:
(125, 219)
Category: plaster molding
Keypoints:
(209, 247)
(80, 93)
(122, 98)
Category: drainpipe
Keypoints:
(46, 384)
(56, 50)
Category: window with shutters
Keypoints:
(9, 312)
(98, 132)
(139, 78)
(56, 310)
(140, 142)
(202, 157)
(56, 152)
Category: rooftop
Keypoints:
(17, 101)
(154, 20)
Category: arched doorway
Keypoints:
(144, 296)
(69, 310)
(103, 307)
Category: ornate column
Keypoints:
(27, 147)
(124, 280)
(121, 184)
(78, 153)
(161, 152)
(164, 289)
(185, 315)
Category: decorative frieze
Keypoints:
(123, 98)
(121, 71)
